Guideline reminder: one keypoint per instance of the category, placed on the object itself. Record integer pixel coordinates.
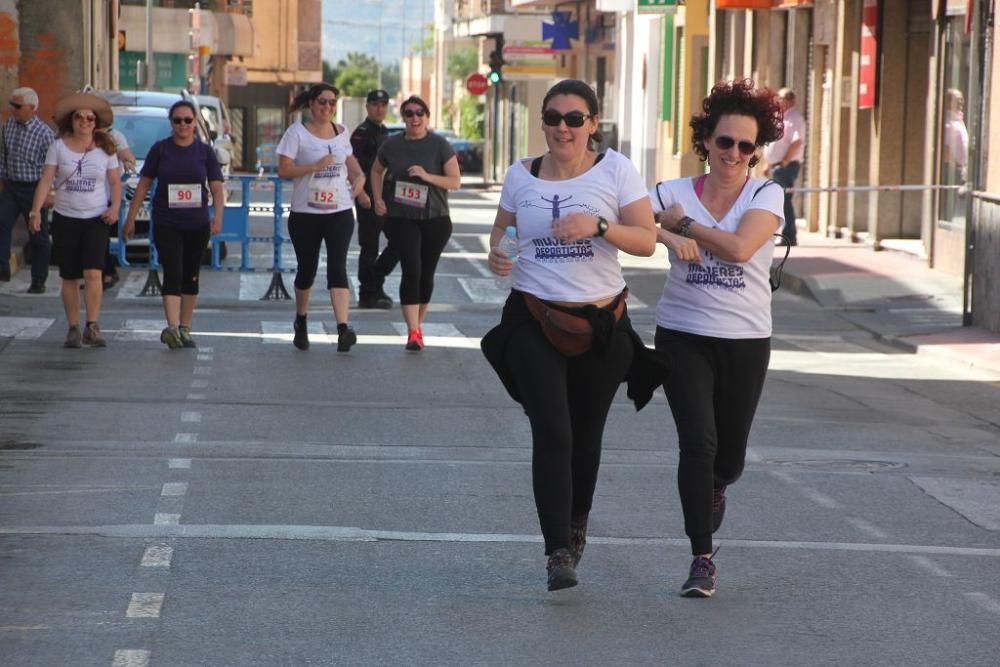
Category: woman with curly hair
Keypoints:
(714, 317)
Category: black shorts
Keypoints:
(78, 244)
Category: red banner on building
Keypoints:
(867, 76)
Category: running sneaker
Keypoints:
(301, 338)
(415, 341)
(171, 337)
(73, 338)
(185, 333)
(92, 336)
(577, 538)
(345, 339)
(701, 580)
(718, 506)
(560, 570)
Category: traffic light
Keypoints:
(496, 65)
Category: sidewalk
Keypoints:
(891, 294)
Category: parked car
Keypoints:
(216, 116)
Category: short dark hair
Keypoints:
(182, 103)
(738, 98)
(306, 97)
(415, 99)
(582, 90)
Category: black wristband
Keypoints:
(684, 226)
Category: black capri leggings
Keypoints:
(180, 253)
(308, 232)
(567, 402)
(713, 389)
(419, 244)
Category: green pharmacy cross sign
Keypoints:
(658, 6)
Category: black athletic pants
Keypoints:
(419, 244)
(713, 389)
(372, 266)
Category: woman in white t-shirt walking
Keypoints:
(573, 209)
(714, 318)
(317, 155)
(82, 168)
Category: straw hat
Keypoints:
(71, 103)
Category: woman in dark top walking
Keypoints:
(182, 165)
(423, 168)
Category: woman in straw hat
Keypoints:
(81, 166)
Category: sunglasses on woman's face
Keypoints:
(177, 120)
(410, 113)
(724, 143)
(552, 118)
(326, 101)
(85, 117)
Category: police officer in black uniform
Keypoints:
(372, 267)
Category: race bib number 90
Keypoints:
(184, 196)
(411, 194)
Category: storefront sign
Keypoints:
(658, 6)
(868, 71)
(236, 75)
(744, 4)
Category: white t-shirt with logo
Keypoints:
(80, 180)
(584, 271)
(713, 297)
(795, 129)
(326, 191)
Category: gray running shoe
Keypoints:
(185, 333)
(701, 581)
(92, 336)
(560, 570)
(73, 338)
(171, 337)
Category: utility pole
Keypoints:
(150, 74)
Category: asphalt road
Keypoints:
(250, 504)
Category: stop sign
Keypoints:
(476, 84)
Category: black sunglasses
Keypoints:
(16, 105)
(724, 143)
(177, 120)
(552, 118)
(410, 113)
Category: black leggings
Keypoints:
(419, 244)
(567, 401)
(308, 232)
(180, 253)
(713, 390)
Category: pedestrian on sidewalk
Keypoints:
(783, 158)
(182, 166)
(573, 209)
(423, 167)
(373, 267)
(24, 144)
(126, 165)
(713, 321)
(316, 154)
(80, 166)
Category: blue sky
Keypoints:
(353, 25)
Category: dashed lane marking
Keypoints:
(186, 438)
(174, 489)
(24, 328)
(179, 464)
(190, 417)
(163, 519)
(985, 601)
(145, 605)
(131, 658)
(158, 555)
(930, 566)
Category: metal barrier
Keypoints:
(235, 229)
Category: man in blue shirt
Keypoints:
(23, 144)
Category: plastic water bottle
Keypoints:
(508, 243)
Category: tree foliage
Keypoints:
(463, 62)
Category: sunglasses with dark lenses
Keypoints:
(16, 105)
(326, 101)
(552, 118)
(410, 113)
(85, 117)
(177, 120)
(724, 143)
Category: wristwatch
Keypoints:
(684, 226)
(602, 226)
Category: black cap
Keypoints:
(377, 96)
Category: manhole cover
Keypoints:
(851, 464)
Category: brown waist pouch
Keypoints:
(571, 330)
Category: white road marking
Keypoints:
(24, 328)
(202, 370)
(206, 350)
(186, 437)
(199, 384)
(985, 601)
(190, 417)
(174, 489)
(866, 527)
(163, 519)
(930, 566)
(463, 343)
(158, 555)
(478, 260)
(354, 534)
(813, 495)
(131, 658)
(204, 357)
(145, 605)
(196, 397)
(432, 329)
(178, 464)
(142, 330)
(281, 333)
